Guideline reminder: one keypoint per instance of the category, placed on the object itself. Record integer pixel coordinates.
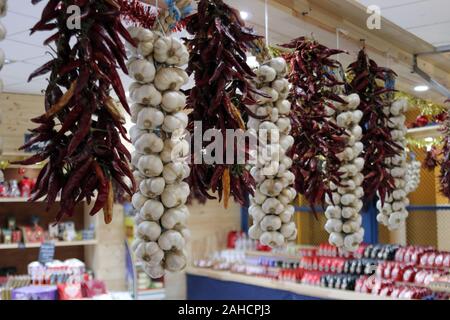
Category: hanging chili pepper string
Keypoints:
(317, 139)
(219, 99)
(364, 75)
(90, 123)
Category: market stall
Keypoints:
(216, 149)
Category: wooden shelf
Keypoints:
(57, 244)
(273, 255)
(14, 155)
(301, 289)
(21, 199)
(425, 132)
(17, 166)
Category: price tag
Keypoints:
(46, 252)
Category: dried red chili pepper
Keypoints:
(445, 162)
(432, 159)
(222, 90)
(317, 139)
(77, 99)
(379, 146)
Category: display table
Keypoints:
(208, 284)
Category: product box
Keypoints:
(70, 291)
(35, 293)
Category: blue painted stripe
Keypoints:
(428, 208)
(410, 208)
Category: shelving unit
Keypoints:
(57, 244)
(425, 132)
(295, 288)
(21, 199)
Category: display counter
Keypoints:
(208, 284)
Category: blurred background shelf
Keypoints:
(22, 199)
(425, 132)
(57, 244)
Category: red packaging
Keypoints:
(431, 259)
(387, 291)
(232, 237)
(407, 256)
(70, 291)
(387, 272)
(16, 236)
(420, 277)
(446, 262)
(397, 273)
(409, 275)
(439, 261)
(93, 288)
(424, 259)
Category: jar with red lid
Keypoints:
(397, 273)
(408, 275)
(407, 256)
(387, 291)
(439, 260)
(431, 259)
(424, 260)
(446, 262)
(420, 277)
(387, 271)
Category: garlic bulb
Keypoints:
(271, 208)
(149, 143)
(171, 51)
(161, 150)
(393, 212)
(170, 79)
(152, 210)
(3, 7)
(145, 94)
(141, 70)
(152, 187)
(413, 176)
(344, 204)
(2, 58)
(2, 31)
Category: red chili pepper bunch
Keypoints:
(82, 126)
(138, 13)
(221, 94)
(432, 159)
(445, 162)
(318, 139)
(366, 80)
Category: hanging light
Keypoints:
(421, 88)
(244, 15)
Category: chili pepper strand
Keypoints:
(271, 207)
(317, 140)
(160, 158)
(3, 32)
(393, 212)
(77, 99)
(364, 78)
(445, 162)
(345, 202)
(221, 94)
(138, 13)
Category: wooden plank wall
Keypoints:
(16, 112)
